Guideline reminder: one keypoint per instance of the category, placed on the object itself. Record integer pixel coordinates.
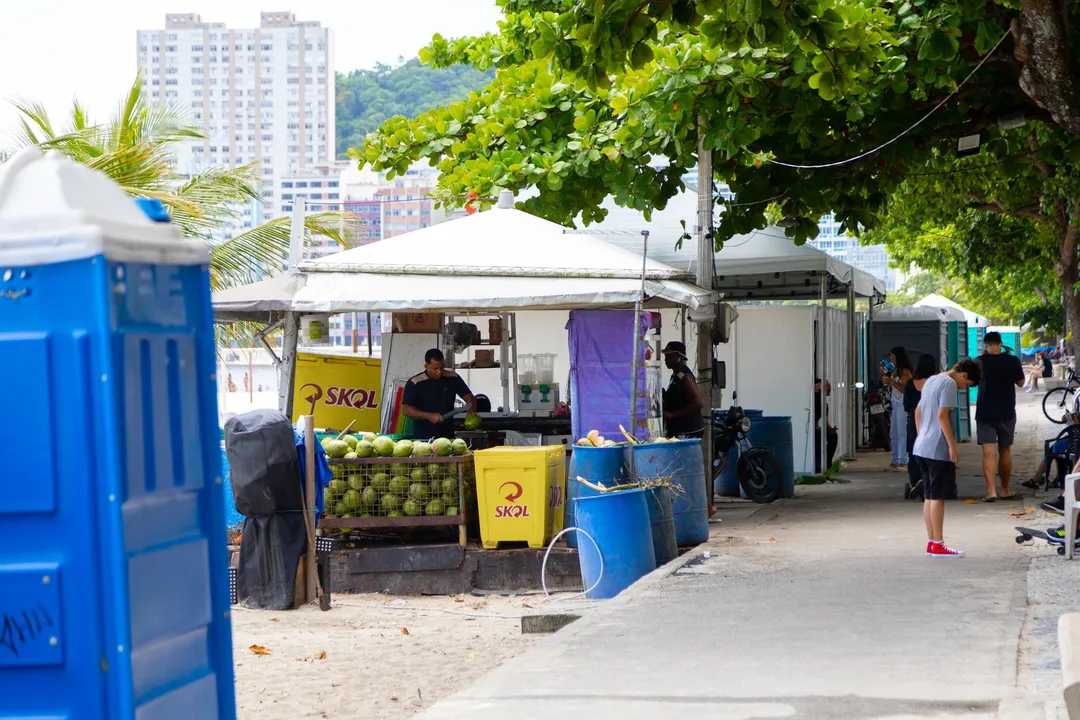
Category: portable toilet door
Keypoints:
(958, 335)
(975, 333)
(113, 558)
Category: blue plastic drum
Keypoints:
(774, 434)
(599, 465)
(681, 461)
(619, 523)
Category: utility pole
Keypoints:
(705, 252)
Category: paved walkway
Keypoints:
(823, 606)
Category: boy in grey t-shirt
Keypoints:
(935, 447)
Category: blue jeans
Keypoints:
(898, 435)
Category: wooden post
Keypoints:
(310, 569)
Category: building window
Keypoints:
(267, 138)
(170, 48)
(196, 48)
(286, 183)
(170, 70)
(302, 184)
(335, 196)
(286, 196)
(196, 71)
(316, 196)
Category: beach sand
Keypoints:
(370, 656)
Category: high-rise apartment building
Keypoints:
(261, 95)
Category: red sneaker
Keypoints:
(941, 550)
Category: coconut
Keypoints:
(399, 484)
(390, 503)
(403, 448)
(356, 482)
(435, 507)
(384, 446)
(441, 446)
(458, 447)
(419, 491)
(451, 510)
(336, 448)
(418, 474)
(364, 449)
(350, 456)
(370, 437)
(412, 508)
(380, 481)
(350, 440)
(352, 500)
(422, 449)
(369, 497)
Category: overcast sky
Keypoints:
(52, 52)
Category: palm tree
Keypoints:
(135, 149)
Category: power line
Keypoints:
(919, 122)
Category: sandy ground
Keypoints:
(370, 656)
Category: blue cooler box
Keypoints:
(113, 565)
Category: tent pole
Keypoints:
(636, 363)
(287, 367)
(851, 427)
(823, 338)
(705, 252)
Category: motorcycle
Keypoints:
(877, 405)
(760, 474)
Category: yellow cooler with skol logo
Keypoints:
(338, 389)
(520, 494)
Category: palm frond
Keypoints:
(121, 132)
(33, 119)
(264, 250)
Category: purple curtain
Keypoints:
(601, 348)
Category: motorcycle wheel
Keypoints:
(760, 475)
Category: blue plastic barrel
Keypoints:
(727, 483)
(681, 461)
(601, 466)
(662, 521)
(774, 434)
(619, 523)
(753, 414)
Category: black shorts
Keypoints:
(939, 478)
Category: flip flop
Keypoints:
(989, 499)
(1010, 496)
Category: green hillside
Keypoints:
(366, 98)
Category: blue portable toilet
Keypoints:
(976, 330)
(1012, 337)
(940, 332)
(113, 562)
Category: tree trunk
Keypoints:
(1042, 45)
(1068, 273)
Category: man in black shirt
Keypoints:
(682, 400)
(431, 394)
(995, 415)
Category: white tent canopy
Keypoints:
(940, 301)
(762, 265)
(503, 259)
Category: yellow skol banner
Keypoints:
(338, 389)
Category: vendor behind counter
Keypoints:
(430, 395)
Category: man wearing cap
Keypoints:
(682, 400)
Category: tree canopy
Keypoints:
(367, 98)
(808, 106)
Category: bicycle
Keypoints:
(1056, 401)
